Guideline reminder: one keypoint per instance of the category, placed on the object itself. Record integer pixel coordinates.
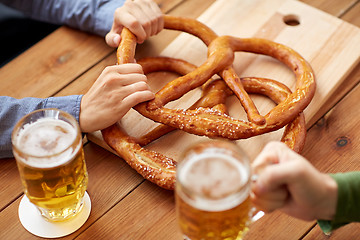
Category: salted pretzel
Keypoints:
(208, 116)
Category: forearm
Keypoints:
(12, 110)
(95, 16)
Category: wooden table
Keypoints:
(124, 205)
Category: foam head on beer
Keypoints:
(46, 137)
(214, 175)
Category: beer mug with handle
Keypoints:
(213, 191)
(47, 145)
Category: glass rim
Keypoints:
(194, 152)
(68, 116)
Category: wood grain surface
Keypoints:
(124, 206)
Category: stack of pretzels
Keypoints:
(208, 116)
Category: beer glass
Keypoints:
(47, 145)
(212, 191)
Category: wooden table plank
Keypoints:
(334, 7)
(11, 187)
(353, 16)
(278, 226)
(350, 231)
(146, 213)
(49, 66)
(334, 146)
(334, 142)
(58, 59)
(166, 5)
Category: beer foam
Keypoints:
(213, 178)
(45, 138)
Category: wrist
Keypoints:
(329, 201)
(83, 122)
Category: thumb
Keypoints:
(112, 39)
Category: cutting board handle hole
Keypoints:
(291, 20)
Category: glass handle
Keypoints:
(257, 214)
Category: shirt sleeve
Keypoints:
(347, 209)
(95, 16)
(12, 110)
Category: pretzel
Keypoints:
(154, 166)
(208, 117)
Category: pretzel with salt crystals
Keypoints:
(205, 120)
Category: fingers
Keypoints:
(117, 89)
(124, 91)
(136, 21)
(137, 97)
(142, 20)
(280, 170)
(122, 75)
(149, 15)
(269, 192)
(126, 79)
(275, 176)
(273, 153)
(112, 39)
(277, 165)
(130, 95)
(287, 181)
(270, 201)
(124, 18)
(268, 156)
(142, 17)
(158, 24)
(125, 68)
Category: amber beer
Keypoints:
(212, 192)
(47, 145)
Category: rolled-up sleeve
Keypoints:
(95, 16)
(348, 208)
(12, 110)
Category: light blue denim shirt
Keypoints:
(11, 110)
(95, 16)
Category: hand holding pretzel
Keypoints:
(115, 91)
(143, 17)
(208, 117)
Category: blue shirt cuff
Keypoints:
(69, 104)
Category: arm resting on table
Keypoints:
(12, 110)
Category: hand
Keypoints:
(117, 89)
(142, 17)
(288, 182)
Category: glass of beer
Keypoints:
(212, 191)
(47, 145)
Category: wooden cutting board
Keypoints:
(329, 44)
